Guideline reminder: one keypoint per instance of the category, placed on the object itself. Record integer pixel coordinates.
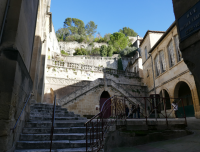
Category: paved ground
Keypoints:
(189, 143)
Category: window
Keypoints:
(157, 66)
(178, 52)
(145, 52)
(171, 54)
(162, 62)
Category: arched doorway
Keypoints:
(182, 90)
(164, 94)
(107, 108)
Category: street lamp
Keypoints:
(154, 87)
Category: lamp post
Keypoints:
(154, 88)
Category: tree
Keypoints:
(62, 33)
(128, 31)
(128, 52)
(103, 51)
(75, 26)
(109, 51)
(119, 41)
(107, 37)
(90, 28)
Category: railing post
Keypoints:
(165, 111)
(86, 137)
(102, 125)
(184, 111)
(145, 110)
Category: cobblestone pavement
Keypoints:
(189, 143)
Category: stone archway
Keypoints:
(182, 90)
(104, 97)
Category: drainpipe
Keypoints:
(154, 87)
(4, 20)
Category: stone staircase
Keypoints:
(69, 133)
(100, 82)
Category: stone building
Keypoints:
(172, 76)
(187, 12)
(25, 33)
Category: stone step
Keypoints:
(56, 130)
(46, 137)
(58, 124)
(82, 149)
(50, 115)
(48, 110)
(55, 144)
(56, 118)
(44, 105)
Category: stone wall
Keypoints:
(70, 47)
(108, 62)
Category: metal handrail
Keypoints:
(53, 121)
(13, 129)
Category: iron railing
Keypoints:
(53, 121)
(13, 129)
(113, 109)
(97, 127)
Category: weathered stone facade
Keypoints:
(17, 32)
(169, 69)
(190, 46)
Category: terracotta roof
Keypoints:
(151, 32)
(163, 36)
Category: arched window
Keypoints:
(171, 54)
(157, 66)
(145, 49)
(162, 61)
(178, 52)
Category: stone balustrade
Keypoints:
(78, 66)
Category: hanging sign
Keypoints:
(189, 23)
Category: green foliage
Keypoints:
(128, 52)
(109, 51)
(80, 51)
(81, 39)
(103, 51)
(128, 31)
(119, 41)
(107, 37)
(95, 51)
(90, 28)
(62, 33)
(63, 52)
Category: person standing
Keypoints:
(175, 107)
(126, 110)
(134, 110)
(138, 111)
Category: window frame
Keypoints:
(171, 58)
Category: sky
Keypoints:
(112, 15)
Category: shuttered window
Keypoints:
(171, 54)
(157, 66)
(178, 52)
(162, 61)
(145, 49)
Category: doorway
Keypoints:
(107, 106)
